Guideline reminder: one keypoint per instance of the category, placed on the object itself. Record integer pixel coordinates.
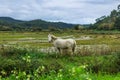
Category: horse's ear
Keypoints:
(54, 37)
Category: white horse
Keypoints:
(62, 44)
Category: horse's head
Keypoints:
(51, 38)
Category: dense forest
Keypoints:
(110, 22)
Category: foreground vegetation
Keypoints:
(21, 63)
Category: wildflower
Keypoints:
(14, 71)
(3, 72)
(73, 70)
(17, 77)
(28, 76)
(83, 66)
(60, 70)
(24, 73)
(23, 58)
(42, 68)
(35, 74)
(28, 56)
(59, 75)
(88, 78)
(28, 60)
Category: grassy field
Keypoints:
(87, 42)
(28, 55)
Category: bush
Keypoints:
(23, 63)
(12, 51)
(105, 64)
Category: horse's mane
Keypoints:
(54, 37)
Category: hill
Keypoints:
(110, 22)
(9, 19)
(8, 23)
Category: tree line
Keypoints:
(110, 22)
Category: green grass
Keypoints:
(21, 60)
(21, 63)
(9, 37)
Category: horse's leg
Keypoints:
(59, 50)
(73, 50)
(69, 51)
(73, 47)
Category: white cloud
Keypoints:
(71, 11)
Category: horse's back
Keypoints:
(64, 43)
(66, 40)
(71, 40)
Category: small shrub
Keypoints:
(105, 64)
(12, 51)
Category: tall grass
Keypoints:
(23, 63)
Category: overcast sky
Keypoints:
(70, 11)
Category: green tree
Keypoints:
(114, 13)
(76, 27)
(119, 7)
(100, 19)
(117, 23)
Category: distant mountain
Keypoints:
(12, 24)
(9, 19)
